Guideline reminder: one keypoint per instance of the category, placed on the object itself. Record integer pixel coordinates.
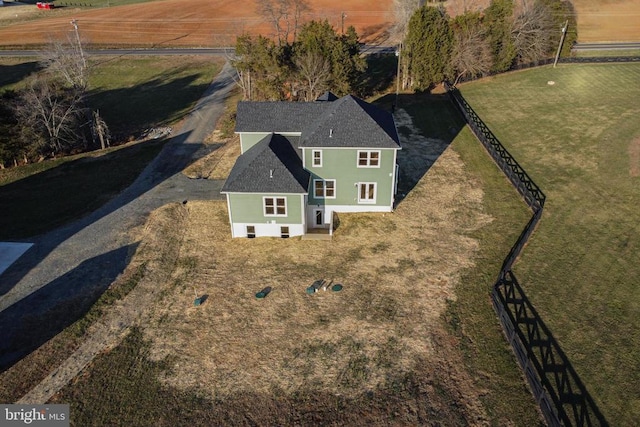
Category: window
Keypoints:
(368, 159)
(367, 192)
(251, 231)
(324, 188)
(275, 206)
(284, 232)
(317, 158)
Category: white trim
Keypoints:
(278, 194)
(275, 206)
(291, 133)
(367, 201)
(324, 188)
(230, 217)
(327, 147)
(369, 153)
(313, 158)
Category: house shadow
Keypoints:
(35, 319)
(427, 124)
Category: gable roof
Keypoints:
(276, 116)
(345, 122)
(352, 122)
(270, 166)
(327, 96)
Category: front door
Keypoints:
(318, 218)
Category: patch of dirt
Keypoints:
(634, 158)
(191, 22)
(398, 271)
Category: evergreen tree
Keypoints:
(499, 20)
(427, 48)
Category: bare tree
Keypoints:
(65, 59)
(471, 55)
(533, 30)
(402, 12)
(53, 112)
(100, 130)
(315, 70)
(284, 15)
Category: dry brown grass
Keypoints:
(398, 271)
(218, 164)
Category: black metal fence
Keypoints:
(563, 399)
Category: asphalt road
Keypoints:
(83, 258)
(606, 46)
(216, 51)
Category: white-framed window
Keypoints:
(284, 232)
(324, 188)
(368, 159)
(366, 192)
(251, 231)
(317, 158)
(275, 206)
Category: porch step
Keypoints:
(316, 236)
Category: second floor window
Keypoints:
(317, 158)
(368, 159)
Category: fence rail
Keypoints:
(557, 388)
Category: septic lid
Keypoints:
(337, 287)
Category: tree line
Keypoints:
(300, 61)
(436, 47)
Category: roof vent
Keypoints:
(330, 133)
(270, 173)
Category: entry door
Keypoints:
(318, 218)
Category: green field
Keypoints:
(579, 139)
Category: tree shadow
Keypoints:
(43, 314)
(12, 74)
(155, 103)
(427, 124)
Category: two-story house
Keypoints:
(301, 162)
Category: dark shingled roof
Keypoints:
(270, 166)
(327, 96)
(346, 122)
(277, 116)
(352, 122)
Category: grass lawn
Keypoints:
(411, 339)
(579, 139)
(132, 94)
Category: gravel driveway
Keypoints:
(68, 268)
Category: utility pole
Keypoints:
(343, 15)
(398, 52)
(75, 26)
(564, 33)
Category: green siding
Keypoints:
(248, 208)
(341, 165)
(248, 140)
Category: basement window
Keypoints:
(284, 232)
(251, 231)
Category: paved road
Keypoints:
(216, 51)
(606, 46)
(95, 249)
